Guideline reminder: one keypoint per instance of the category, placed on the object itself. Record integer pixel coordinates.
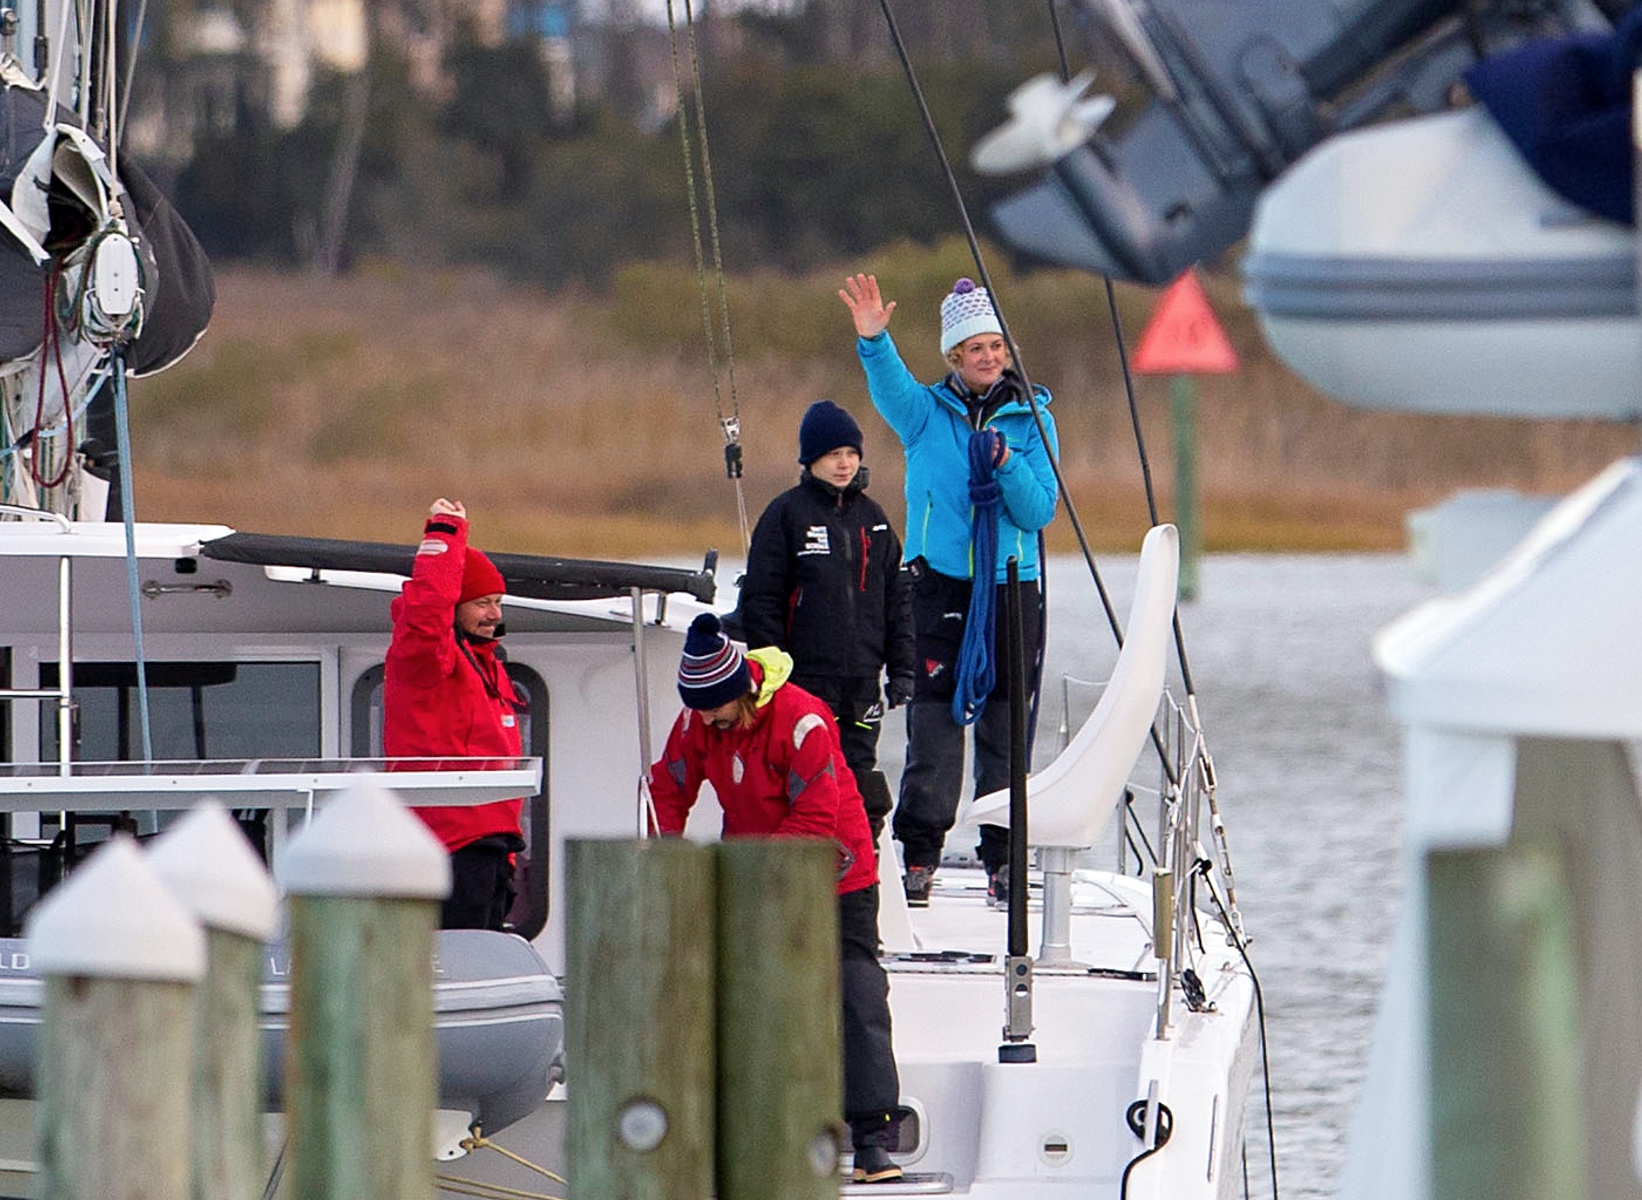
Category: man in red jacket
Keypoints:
(771, 752)
(446, 693)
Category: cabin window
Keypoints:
(195, 710)
(529, 914)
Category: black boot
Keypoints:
(874, 1165)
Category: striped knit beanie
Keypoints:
(713, 671)
(966, 311)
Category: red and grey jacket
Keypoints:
(784, 776)
(444, 695)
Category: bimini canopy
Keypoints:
(525, 574)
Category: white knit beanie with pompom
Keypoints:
(965, 312)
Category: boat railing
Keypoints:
(62, 695)
(1168, 843)
(1184, 860)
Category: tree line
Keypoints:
(818, 150)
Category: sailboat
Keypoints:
(147, 666)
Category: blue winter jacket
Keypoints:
(934, 427)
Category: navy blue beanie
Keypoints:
(713, 671)
(826, 427)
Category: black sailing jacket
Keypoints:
(824, 583)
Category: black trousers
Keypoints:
(872, 1086)
(481, 884)
(933, 776)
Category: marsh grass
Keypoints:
(587, 425)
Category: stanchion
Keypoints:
(1017, 1026)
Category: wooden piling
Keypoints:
(364, 880)
(780, 1068)
(1506, 1101)
(121, 957)
(639, 1019)
(207, 862)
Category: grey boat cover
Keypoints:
(531, 575)
(179, 292)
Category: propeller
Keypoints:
(1048, 120)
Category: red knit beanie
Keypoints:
(479, 577)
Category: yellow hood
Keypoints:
(777, 666)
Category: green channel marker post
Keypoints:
(365, 879)
(121, 958)
(1506, 1096)
(1183, 414)
(780, 1067)
(207, 862)
(639, 1019)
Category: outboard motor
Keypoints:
(1241, 89)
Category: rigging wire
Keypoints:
(1129, 387)
(110, 89)
(997, 308)
(1037, 415)
(84, 32)
(729, 427)
(1203, 757)
(130, 70)
(122, 425)
(54, 68)
(1060, 41)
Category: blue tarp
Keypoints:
(1565, 103)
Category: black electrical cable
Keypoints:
(1135, 1118)
(1260, 1009)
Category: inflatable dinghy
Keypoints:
(1422, 265)
(498, 1021)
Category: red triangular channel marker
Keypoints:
(1183, 337)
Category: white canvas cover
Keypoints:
(1546, 644)
(1521, 699)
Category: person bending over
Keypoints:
(771, 752)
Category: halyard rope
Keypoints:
(729, 427)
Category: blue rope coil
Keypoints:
(977, 673)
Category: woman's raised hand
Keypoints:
(861, 296)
